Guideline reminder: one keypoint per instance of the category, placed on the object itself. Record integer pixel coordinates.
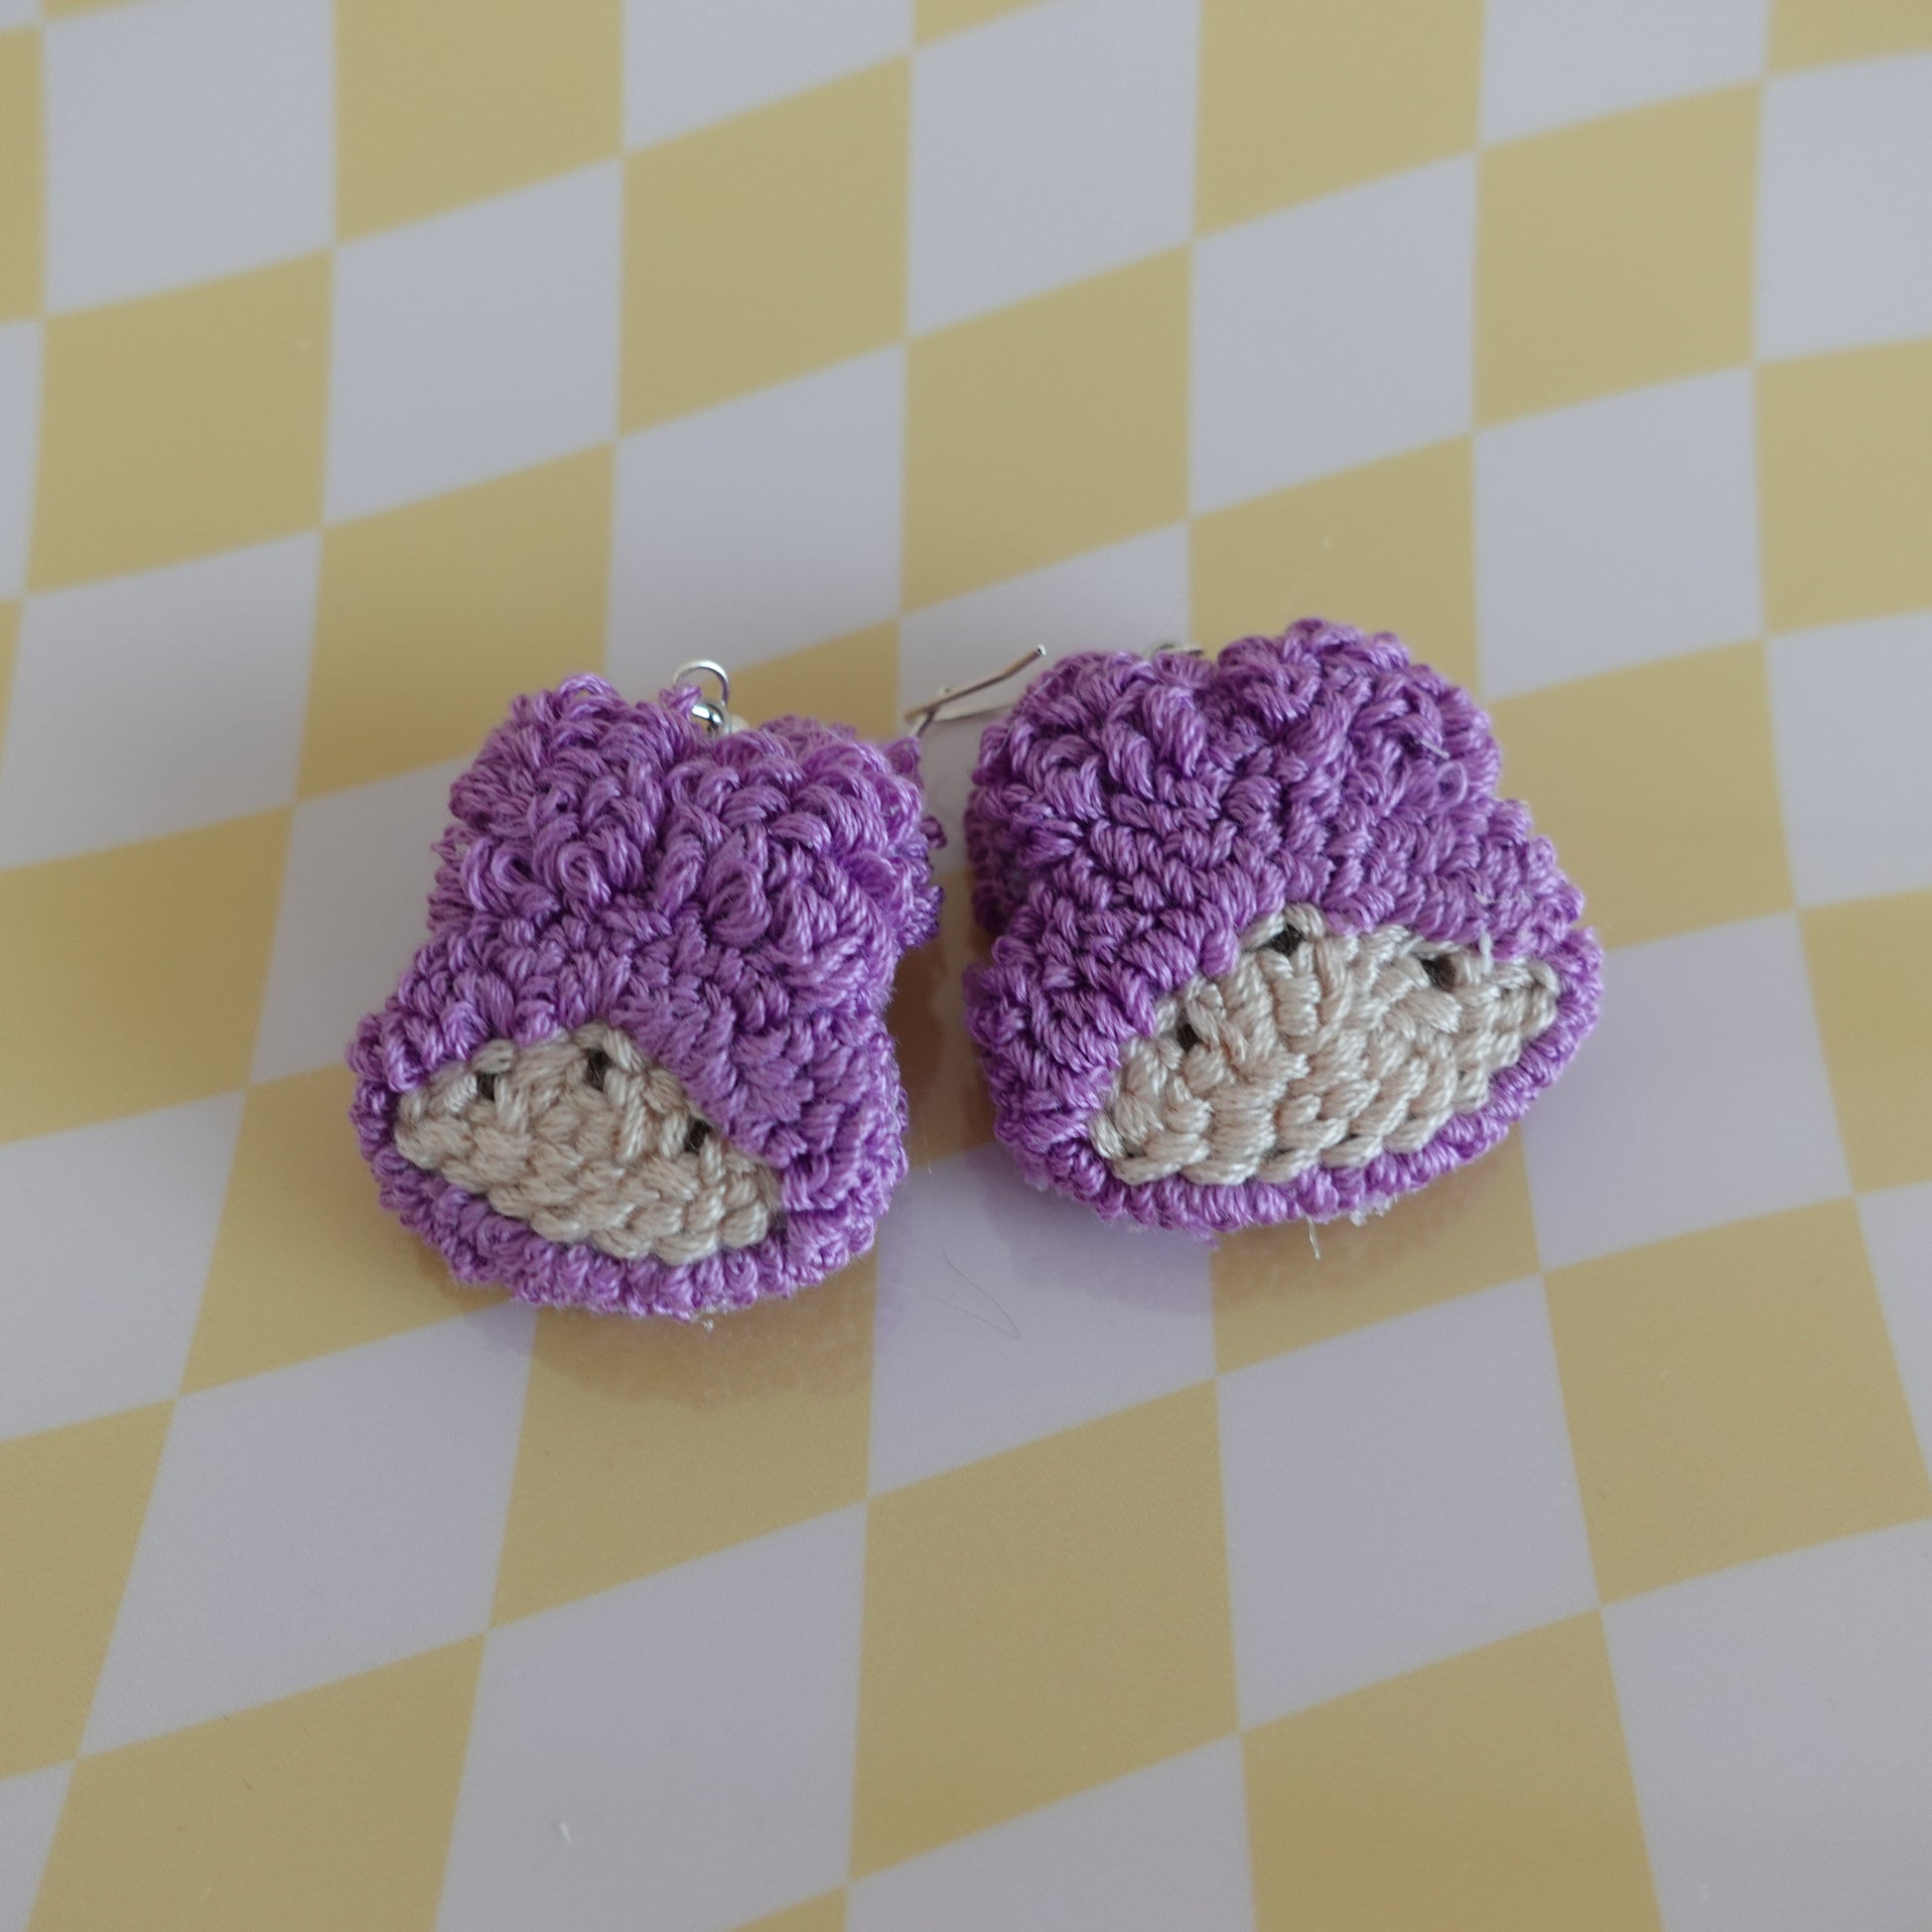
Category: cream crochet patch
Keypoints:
(1318, 1048)
(585, 1140)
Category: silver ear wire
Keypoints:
(928, 714)
(714, 716)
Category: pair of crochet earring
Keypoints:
(1267, 945)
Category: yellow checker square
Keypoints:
(825, 1914)
(647, 1444)
(182, 424)
(1039, 1623)
(1281, 1288)
(1868, 961)
(950, 1108)
(1487, 1794)
(765, 247)
(851, 680)
(20, 146)
(1386, 547)
(1616, 254)
(1298, 100)
(1659, 786)
(134, 976)
(1815, 32)
(306, 1262)
(326, 1810)
(1844, 478)
(1046, 429)
(9, 645)
(1731, 1395)
(933, 19)
(433, 617)
(71, 1502)
(436, 106)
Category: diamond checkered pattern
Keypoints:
(1555, 1552)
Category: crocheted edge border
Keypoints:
(484, 1247)
(1073, 1166)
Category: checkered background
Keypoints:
(1555, 1552)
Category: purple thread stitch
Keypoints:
(1130, 817)
(736, 905)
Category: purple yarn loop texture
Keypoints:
(1132, 817)
(736, 905)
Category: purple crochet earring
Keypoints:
(641, 1062)
(1268, 945)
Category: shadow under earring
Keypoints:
(641, 1062)
(1268, 945)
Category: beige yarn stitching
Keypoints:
(585, 1140)
(1339, 1048)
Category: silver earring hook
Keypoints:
(714, 716)
(928, 714)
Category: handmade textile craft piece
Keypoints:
(1268, 944)
(640, 1063)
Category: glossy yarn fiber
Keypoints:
(708, 925)
(1158, 841)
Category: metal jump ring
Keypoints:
(713, 716)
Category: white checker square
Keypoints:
(1898, 1227)
(317, 1521)
(154, 703)
(1702, 1099)
(1160, 1848)
(1779, 1723)
(354, 888)
(20, 417)
(1333, 334)
(1047, 146)
(476, 344)
(760, 527)
(1845, 208)
(29, 1809)
(680, 1746)
(1129, 596)
(1617, 532)
(1005, 1315)
(1848, 706)
(1548, 63)
(186, 142)
(1398, 1495)
(102, 1322)
(18, 13)
(689, 62)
